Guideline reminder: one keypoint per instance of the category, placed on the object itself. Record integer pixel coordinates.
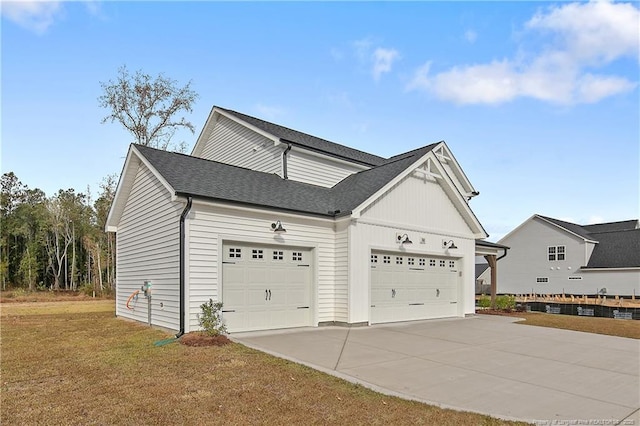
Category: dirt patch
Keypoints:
(202, 339)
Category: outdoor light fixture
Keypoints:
(449, 244)
(404, 239)
(278, 228)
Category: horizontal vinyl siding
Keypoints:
(317, 171)
(207, 225)
(148, 249)
(234, 144)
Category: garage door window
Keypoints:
(374, 258)
(386, 259)
(432, 262)
(257, 254)
(398, 260)
(452, 264)
(235, 253)
(296, 256)
(410, 260)
(278, 255)
(442, 263)
(421, 262)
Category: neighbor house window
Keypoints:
(556, 253)
(576, 277)
(542, 280)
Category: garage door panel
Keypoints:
(267, 288)
(412, 287)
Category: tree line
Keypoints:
(56, 242)
(59, 242)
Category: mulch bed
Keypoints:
(203, 339)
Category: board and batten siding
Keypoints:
(209, 226)
(148, 247)
(316, 170)
(234, 144)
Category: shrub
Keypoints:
(211, 318)
(484, 301)
(506, 303)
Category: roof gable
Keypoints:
(617, 244)
(279, 134)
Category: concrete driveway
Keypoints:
(485, 364)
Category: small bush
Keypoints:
(211, 318)
(506, 303)
(484, 301)
(87, 289)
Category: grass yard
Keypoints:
(608, 326)
(74, 363)
(597, 325)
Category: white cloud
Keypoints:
(584, 36)
(382, 61)
(369, 54)
(36, 16)
(471, 36)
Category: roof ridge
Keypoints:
(242, 116)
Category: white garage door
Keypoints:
(266, 287)
(407, 287)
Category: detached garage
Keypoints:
(290, 230)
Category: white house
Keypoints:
(550, 256)
(289, 230)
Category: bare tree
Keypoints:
(147, 107)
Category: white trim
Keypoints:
(231, 205)
(210, 124)
(412, 228)
(468, 215)
(275, 139)
(157, 175)
(631, 268)
(564, 229)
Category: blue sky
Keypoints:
(539, 102)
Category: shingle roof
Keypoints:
(617, 249)
(618, 243)
(576, 229)
(311, 142)
(210, 179)
(480, 268)
(624, 225)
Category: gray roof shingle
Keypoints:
(218, 181)
(308, 141)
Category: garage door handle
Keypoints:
(416, 269)
(414, 304)
(266, 295)
(269, 294)
(230, 310)
(303, 307)
(302, 265)
(437, 292)
(393, 292)
(229, 263)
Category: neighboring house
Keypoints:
(288, 230)
(550, 256)
(483, 278)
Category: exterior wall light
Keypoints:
(403, 239)
(449, 244)
(278, 228)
